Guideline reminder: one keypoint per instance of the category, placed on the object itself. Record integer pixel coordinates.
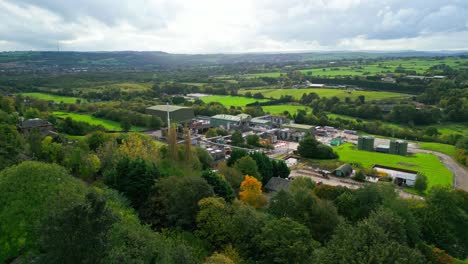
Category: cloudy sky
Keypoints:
(210, 26)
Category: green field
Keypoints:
(439, 147)
(228, 100)
(419, 66)
(55, 98)
(324, 92)
(279, 109)
(107, 124)
(428, 164)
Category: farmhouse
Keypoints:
(276, 184)
(178, 114)
(44, 127)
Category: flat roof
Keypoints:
(227, 117)
(299, 126)
(259, 120)
(164, 108)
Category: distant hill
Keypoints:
(156, 59)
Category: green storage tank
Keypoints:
(398, 147)
(366, 143)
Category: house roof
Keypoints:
(165, 108)
(276, 184)
(35, 122)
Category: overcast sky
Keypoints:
(210, 26)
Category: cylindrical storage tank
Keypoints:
(393, 147)
(403, 148)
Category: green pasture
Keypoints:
(55, 98)
(228, 100)
(279, 109)
(107, 124)
(325, 92)
(419, 65)
(428, 164)
(123, 87)
(439, 147)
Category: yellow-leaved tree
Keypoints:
(251, 192)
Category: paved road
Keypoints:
(334, 181)
(459, 172)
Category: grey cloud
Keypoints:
(205, 26)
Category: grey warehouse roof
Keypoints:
(164, 108)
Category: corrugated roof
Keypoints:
(227, 117)
(243, 116)
(298, 126)
(164, 108)
(259, 121)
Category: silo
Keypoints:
(393, 147)
(402, 147)
(366, 143)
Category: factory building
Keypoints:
(179, 114)
(230, 121)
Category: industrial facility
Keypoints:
(179, 114)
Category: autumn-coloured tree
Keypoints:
(251, 192)
(138, 146)
(188, 145)
(172, 142)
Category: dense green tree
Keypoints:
(301, 184)
(232, 176)
(311, 148)
(235, 155)
(421, 182)
(253, 140)
(237, 139)
(248, 166)
(222, 224)
(29, 193)
(285, 241)
(359, 176)
(134, 178)
(204, 157)
(97, 139)
(280, 168)
(443, 221)
(280, 204)
(264, 163)
(11, 145)
(220, 186)
(212, 132)
(321, 217)
(125, 124)
(174, 201)
(79, 234)
(366, 243)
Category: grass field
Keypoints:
(55, 98)
(107, 124)
(428, 164)
(279, 109)
(324, 92)
(419, 65)
(439, 147)
(228, 100)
